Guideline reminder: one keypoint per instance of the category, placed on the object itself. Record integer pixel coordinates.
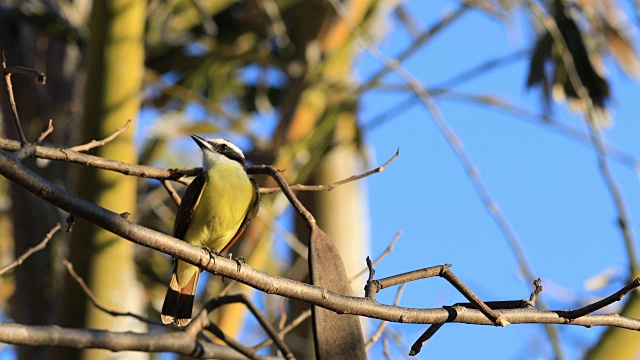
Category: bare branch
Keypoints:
(264, 323)
(385, 349)
(45, 133)
(444, 272)
(618, 296)
(172, 192)
(297, 321)
(31, 250)
(95, 143)
(375, 262)
(329, 187)
(95, 302)
(315, 295)
(417, 43)
(22, 70)
(616, 196)
(144, 171)
(7, 71)
(177, 342)
(417, 345)
(234, 344)
(509, 304)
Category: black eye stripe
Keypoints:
(227, 151)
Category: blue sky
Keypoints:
(548, 187)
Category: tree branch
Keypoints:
(329, 187)
(7, 71)
(31, 250)
(270, 284)
(177, 342)
(96, 143)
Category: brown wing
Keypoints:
(187, 204)
(251, 213)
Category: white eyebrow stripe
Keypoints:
(220, 141)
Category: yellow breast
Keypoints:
(223, 204)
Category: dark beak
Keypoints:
(201, 143)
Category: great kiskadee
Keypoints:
(214, 211)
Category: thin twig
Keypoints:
(30, 148)
(618, 296)
(415, 44)
(202, 322)
(407, 20)
(444, 87)
(386, 252)
(510, 304)
(45, 133)
(22, 70)
(385, 349)
(297, 321)
(172, 192)
(246, 351)
(409, 276)
(92, 298)
(264, 323)
(283, 315)
(616, 196)
(95, 143)
(372, 287)
(329, 187)
(467, 293)
(289, 238)
(31, 250)
(286, 189)
(534, 294)
(417, 345)
(7, 71)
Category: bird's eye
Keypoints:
(224, 147)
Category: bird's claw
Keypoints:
(239, 260)
(212, 254)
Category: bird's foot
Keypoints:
(240, 260)
(212, 254)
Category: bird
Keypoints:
(215, 209)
